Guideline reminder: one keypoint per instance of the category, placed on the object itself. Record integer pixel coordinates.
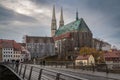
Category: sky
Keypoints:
(33, 17)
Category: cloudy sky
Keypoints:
(33, 17)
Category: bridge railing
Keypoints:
(28, 72)
(101, 67)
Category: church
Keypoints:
(69, 38)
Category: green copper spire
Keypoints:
(77, 15)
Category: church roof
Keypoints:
(78, 25)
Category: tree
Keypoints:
(98, 55)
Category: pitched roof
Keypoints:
(6, 43)
(38, 39)
(110, 55)
(17, 46)
(78, 25)
(117, 52)
(83, 57)
(9, 44)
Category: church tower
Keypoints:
(61, 22)
(53, 23)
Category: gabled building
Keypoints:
(111, 57)
(11, 51)
(25, 52)
(101, 45)
(71, 37)
(85, 60)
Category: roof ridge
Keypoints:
(81, 28)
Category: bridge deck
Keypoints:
(90, 75)
(37, 72)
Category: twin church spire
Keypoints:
(54, 22)
(61, 22)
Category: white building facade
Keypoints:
(7, 54)
(101, 45)
(12, 51)
(82, 60)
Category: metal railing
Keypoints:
(101, 67)
(29, 72)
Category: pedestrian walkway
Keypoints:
(90, 73)
(102, 74)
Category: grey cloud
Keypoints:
(43, 2)
(108, 6)
(102, 16)
(7, 16)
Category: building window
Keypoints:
(4, 60)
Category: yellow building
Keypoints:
(85, 60)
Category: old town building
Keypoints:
(11, 50)
(112, 58)
(85, 60)
(39, 47)
(101, 45)
(71, 37)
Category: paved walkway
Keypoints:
(102, 74)
(110, 76)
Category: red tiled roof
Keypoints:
(110, 55)
(17, 46)
(62, 36)
(23, 44)
(83, 57)
(9, 44)
(117, 52)
(38, 39)
(6, 43)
